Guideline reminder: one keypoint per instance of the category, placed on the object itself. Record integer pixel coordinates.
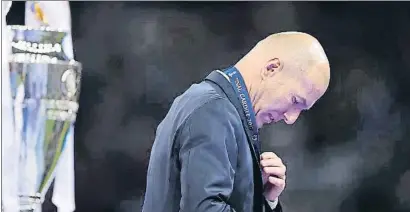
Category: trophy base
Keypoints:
(30, 203)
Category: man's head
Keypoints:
(285, 74)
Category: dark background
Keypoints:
(349, 153)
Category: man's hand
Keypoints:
(274, 175)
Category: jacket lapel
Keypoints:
(219, 80)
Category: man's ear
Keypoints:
(271, 68)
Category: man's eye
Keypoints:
(294, 100)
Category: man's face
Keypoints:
(288, 93)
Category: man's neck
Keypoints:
(250, 83)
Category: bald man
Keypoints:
(206, 156)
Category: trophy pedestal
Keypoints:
(30, 203)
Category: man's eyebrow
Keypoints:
(306, 106)
(302, 101)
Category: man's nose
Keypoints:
(290, 117)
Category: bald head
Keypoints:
(299, 48)
(286, 73)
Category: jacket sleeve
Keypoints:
(208, 158)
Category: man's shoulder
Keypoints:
(202, 98)
(199, 95)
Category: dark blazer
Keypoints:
(202, 159)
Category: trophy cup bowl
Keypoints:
(45, 90)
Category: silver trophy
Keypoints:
(45, 91)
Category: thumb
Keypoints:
(268, 192)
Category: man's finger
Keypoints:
(275, 171)
(272, 162)
(268, 155)
(277, 181)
